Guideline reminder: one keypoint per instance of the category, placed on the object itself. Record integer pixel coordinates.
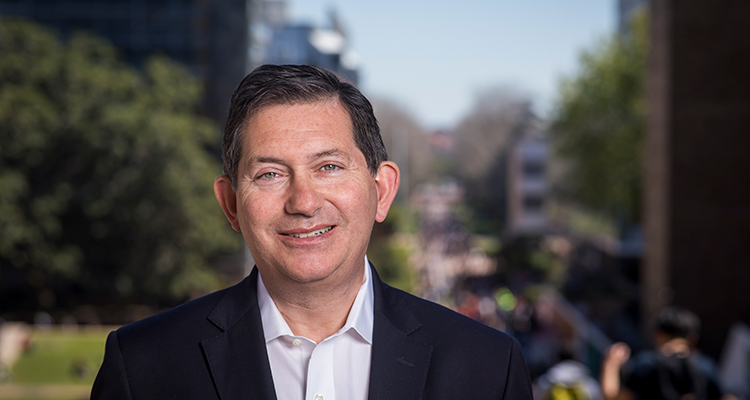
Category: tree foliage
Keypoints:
(599, 126)
(481, 141)
(407, 145)
(105, 180)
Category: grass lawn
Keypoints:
(44, 392)
(60, 364)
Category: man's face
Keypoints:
(305, 200)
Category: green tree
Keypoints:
(105, 180)
(499, 116)
(391, 245)
(405, 142)
(599, 126)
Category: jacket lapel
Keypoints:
(399, 364)
(237, 357)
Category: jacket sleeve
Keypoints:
(518, 384)
(112, 380)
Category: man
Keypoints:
(306, 177)
(675, 370)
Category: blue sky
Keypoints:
(432, 57)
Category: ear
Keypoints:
(386, 182)
(227, 199)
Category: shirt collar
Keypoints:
(361, 315)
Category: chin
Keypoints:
(304, 271)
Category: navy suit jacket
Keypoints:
(213, 348)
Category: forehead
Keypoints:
(298, 123)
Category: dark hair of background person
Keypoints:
(270, 85)
(678, 322)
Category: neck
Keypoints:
(676, 346)
(315, 310)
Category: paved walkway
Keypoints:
(13, 335)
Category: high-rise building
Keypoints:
(697, 197)
(527, 185)
(210, 37)
(277, 40)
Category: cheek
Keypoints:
(256, 207)
(357, 198)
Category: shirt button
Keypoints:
(318, 397)
(298, 342)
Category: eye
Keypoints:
(330, 167)
(268, 175)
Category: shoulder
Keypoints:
(705, 364)
(189, 311)
(211, 313)
(467, 358)
(441, 325)
(186, 323)
(642, 365)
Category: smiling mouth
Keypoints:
(309, 234)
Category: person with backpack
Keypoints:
(673, 371)
(567, 380)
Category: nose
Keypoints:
(303, 197)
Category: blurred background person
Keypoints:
(568, 379)
(674, 370)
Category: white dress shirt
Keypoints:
(336, 368)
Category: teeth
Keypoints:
(310, 234)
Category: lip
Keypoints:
(307, 234)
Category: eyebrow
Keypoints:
(330, 153)
(274, 160)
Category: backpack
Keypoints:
(680, 379)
